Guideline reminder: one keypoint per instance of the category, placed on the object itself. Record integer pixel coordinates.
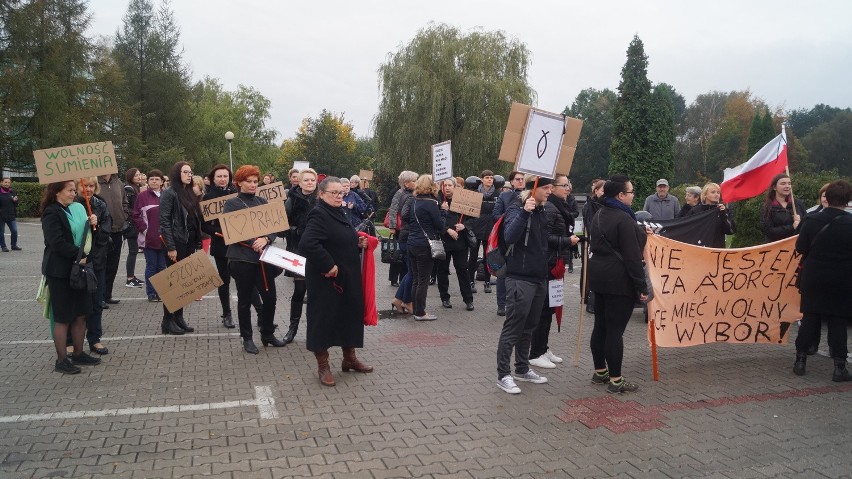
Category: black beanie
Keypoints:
(541, 182)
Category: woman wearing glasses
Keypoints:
(332, 249)
(180, 229)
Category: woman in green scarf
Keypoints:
(63, 222)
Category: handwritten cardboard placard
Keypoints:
(272, 192)
(284, 259)
(74, 162)
(186, 281)
(214, 208)
(253, 222)
(365, 175)
(742, 295)
(466, 202)
(442, 161)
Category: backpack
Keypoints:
(496, 249)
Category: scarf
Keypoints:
(613, 203)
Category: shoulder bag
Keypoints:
(436, 246)
(82, 275)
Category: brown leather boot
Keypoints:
(325, 376)
(350, 361)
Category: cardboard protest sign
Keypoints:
(214, 208)
(516, 126)
(284, 259)
(74, 162)
(743, 295)
(366, 175)
(186, 281)
(466, 202)
(253, 222)
(442, 161)
(271, 192)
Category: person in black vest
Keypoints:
(250, 275)
(617, 277)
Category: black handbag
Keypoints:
(82, 275)
(470, 237)
(391, 254)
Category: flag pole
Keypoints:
(787, 167)
(582, 301)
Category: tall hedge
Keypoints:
(29, 196)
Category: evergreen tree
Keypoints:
(644, 133)
(762, 130)
(595, 108)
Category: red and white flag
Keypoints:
(752, 177)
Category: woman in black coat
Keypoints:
(456, 245)
(826, 285)
(617, 278)
(425, 222)
(180, 228)
(777, 218)
(711, 199)
(332, 249)
(300, 201)
(101, 242)
(63, 223)
(252, 276)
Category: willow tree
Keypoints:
(447, 85)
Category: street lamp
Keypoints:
(229, 135)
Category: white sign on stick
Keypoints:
(442, 161)
(301, 165)
(284, 259)
(541, 144)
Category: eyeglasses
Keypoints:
(566, 185)
(628, 192)
(334, 193)
(188, 172)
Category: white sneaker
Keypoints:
(542, 362)
(507, 384)
(531, 377)
(552, 357)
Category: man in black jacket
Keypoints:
(516, 179)
(525, 233)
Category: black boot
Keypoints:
(270, 339)
(799, 365)
(813, 349)
(841, 374)
(169, 327)
(227, 320)
(291, 333)
(182, 324)
(249, 347)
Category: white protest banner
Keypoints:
(541, 144)
(301, 165)
(215, 207)
(253, 222)
(74, 162)
(556, 292)
(186, 281)
(709, 295)
(466, 202)
(442, 161)
(284, 259)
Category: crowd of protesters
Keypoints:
(533, 219)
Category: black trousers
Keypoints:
(541, 334)
(809, 333)
(459, 259)
(471, 262)
(420, 260)
(225, 290)
(396, 272)
(112, 262)
(183, 250)
(612, 313)
(249, 280)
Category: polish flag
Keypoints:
(752, 177)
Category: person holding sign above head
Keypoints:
(249, 273)
(825, 244)
(778, 219)
(180, 228)
(711, 199)
(300, 201)
(617, 277)
(332, 250)
(63, 222)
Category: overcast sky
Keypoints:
(306, 56)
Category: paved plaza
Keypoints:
(198, 406)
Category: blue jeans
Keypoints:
(403, 293)
(155, 261)
(13, 228)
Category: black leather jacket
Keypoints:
(176, 225)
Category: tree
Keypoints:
(445, 85)
(830, 144)
(595, 108)
(762, 131)
(327, 143)
(643, 133)
(804, 121)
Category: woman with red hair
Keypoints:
(248, 272)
